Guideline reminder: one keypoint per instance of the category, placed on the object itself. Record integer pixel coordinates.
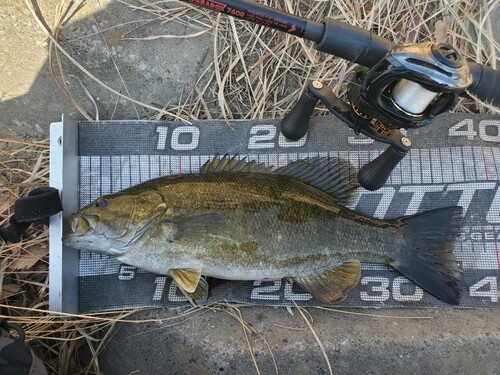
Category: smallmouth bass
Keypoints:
(241, 220)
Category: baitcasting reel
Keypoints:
(399, 86)
(410, 86)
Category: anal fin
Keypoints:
(334, 284)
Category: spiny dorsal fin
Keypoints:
(333, 176)
(332, 285)
(232, 164)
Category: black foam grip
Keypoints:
(13, 233)
(374, 174)
(353, 43)
(35, 208)
(485, 83)
(40, 203)
(294, 125)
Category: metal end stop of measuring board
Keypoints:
(34, 209)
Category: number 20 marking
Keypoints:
(272, 292)
(264, 136)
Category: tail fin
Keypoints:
(427, 257)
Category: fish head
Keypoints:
(112, 224)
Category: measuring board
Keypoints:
(454, 161)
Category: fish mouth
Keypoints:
(82, 228)
(82, 224)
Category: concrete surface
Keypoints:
(160, 72)
(450, 342)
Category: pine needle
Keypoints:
(315, 337)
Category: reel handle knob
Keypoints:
(373, 175)
(295, 123)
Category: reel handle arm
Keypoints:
(374, 174)
(295, 123)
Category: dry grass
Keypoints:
(256, 73)
(260, 73)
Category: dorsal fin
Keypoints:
(231, 164)
(333, 176)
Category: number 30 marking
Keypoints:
(379, 289)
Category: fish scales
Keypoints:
(289, 235)
(241, 221)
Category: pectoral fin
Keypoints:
(187, 279)
(194, 227)
(332, 285)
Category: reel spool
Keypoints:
(410, 86)
(403, 86)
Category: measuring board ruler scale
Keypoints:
(455, 161)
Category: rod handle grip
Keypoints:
(485, 83)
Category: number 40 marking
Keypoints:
(465, 128)
(492, 293)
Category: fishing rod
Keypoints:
(396, 86)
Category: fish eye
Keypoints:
(101, 202)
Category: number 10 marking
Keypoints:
(191, 131)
